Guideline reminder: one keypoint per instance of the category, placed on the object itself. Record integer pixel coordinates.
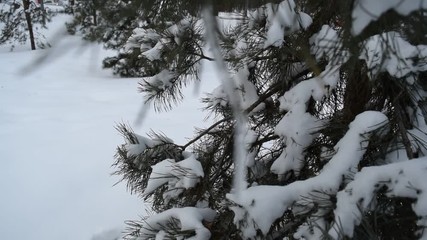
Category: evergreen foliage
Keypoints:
(17, 24)
(112, 22)
(319, 124)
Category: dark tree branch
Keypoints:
(206, 131)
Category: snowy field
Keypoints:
(57, 139)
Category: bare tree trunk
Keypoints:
(95, 21)
(44, 12)
(26, 4)
(72, 6)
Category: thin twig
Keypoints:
(206, 131)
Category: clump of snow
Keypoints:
(179, 175)
(389, 52)
(152, 43)
(178, 30)
(402, 179)
(155, 52)
(366, 11)
(162, 80)
(282, 20)
(240, 46)
(245, 90)
(326, 43)
(249, 138)
(134, 149)
(262, 205)
(142, 38)
(312, 229)
(218, 96)
(304, 20)
(297, 129)
(298, 97)
(189, 218)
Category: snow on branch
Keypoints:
(366, 11)
(243, 88)
(389, 52)
(259, 206)
(135, 158)
(141, 143)
(178, 222)
(167, 57)
(298, 127)
(404, 179)
(162, 80)
(282, 20)
(180, 175)
(235, 100)
(152, 43)
(298, 130)
(327, 44)
(418, 135)
(142, 38)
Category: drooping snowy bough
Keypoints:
(402, 179)
(319, 123)
(264, 204)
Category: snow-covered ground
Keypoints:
(57, 139)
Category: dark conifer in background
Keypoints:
(21, 21)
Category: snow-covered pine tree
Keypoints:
(21, 21)
(319, 124)
(112, 22)
(86, 19)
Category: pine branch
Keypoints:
(266, 139)
(202, 56)
(402, 130)
(275, 88)
(203, 133)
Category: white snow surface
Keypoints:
(112, 234)
(57, 138)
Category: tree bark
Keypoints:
(94, 17)
(44, 12)
(26, 4)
